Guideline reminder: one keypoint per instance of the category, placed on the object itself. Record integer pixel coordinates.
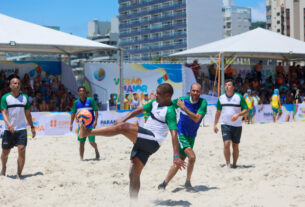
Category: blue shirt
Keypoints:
(186, 126)
(88, 104)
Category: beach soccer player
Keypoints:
(193, 109)
(89, 104)
(250, 103)
(146, 139)
(276, 105)
(232, 106)
(15, 107)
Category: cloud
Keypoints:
(259, 13)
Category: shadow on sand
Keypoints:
(239, 166)
(197, 188)
(25, 176)
(170, 202)
(92, 159)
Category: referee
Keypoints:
(232, 106)
(15, 107)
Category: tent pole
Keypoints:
(222, 73)
(120, 59)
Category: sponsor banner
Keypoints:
(58, 123)
(103, 78)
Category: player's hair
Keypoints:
(195, 84)
(10, 80)
(81, 87)
(166, 88)
(230, 80)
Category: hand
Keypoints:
(118, 121)
(11, 128)
(235, 117)
(215, 129)
(33, 132)
(94, 124)
(178, 162)
(71, 127)
(181, 104)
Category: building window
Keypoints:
(278, 14)
(278, 30)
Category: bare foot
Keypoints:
(19, 177)
(97, 155)
(3, 171)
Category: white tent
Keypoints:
(257, 43)
(21, 36)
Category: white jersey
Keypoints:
(161, 119)
(15, 107)
(230, 106)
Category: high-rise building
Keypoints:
(98, 28)
(157, 28)
(286, 17)
(236, 20)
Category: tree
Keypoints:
(255, 25)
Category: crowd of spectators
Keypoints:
(290, 82)
(45, 93)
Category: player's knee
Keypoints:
(122, 127)
(192, 158)
(21, 149)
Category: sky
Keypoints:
(72, 16)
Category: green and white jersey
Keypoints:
(230, 106)
(161, 119)
(15, 107)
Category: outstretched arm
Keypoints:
(131, 114)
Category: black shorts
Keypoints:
(10, 140)
(231, 133)
(144, 147)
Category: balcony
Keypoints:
(157, 48)
(154, 20)
(152, 11)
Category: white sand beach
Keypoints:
(270, 172)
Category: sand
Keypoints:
(270, 172)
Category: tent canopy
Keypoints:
(21, 36)
(257, 43)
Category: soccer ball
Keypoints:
(85, 116)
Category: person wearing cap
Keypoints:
(250, 102)
(145, 101)
(135, 101)
(126, 102)
(276, 105)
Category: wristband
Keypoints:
(176, 155)
(9, 123)
(32, 127)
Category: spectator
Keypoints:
(47, 78)
(212, 73)
(34, 106)
(295, 93)
(97, 101)
(112, 102)
(195, 67)
(135, 101)
(126, 102)
(2, 80)
(258, 70)
(43, 106)
(280, 70)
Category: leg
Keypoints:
(191, 161)
(226, 152)
(171, 173)
(134, 177)
(21, 159)
(128, 130)
(4, 157)
(94, 145)
(81, 150)
(235, 153)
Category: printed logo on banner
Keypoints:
(37, 126)
(302, 112)
(100, 74)
(54, 123)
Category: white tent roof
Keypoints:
(38, 39)
(258, 43)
